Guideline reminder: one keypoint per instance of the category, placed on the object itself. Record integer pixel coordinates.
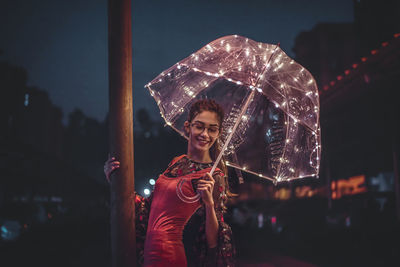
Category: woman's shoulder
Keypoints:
(176, 159)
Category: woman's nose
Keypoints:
(204, 132)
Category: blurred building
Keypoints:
(356, 66)
(326, 50)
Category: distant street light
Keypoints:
(146, 191)
(152, 181)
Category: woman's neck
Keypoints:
(199, 156)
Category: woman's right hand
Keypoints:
(109, 166)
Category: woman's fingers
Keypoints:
(205, 187)
(109, 166)
(209, 177)
(203, 182)
(110, 160)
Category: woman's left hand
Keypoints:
(205, 188)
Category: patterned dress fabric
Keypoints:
(162, 218)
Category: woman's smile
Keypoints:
(202, 141)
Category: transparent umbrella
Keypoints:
(271, 126)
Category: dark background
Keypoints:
(54, 199)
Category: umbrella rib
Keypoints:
(286, 136)
(286, 72)
(275, 88)
(294, 87)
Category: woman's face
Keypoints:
(203, 130)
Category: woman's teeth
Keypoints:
(202, 141)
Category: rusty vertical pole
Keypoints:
(123, 235)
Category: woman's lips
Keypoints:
(202, 142)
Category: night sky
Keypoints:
(63, 44)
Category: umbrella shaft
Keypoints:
(233, 130)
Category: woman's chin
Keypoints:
(202, 147)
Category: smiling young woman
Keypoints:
(185, 192)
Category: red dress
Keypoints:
(169, 213)
(161, 218)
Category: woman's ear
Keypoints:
(186, 126)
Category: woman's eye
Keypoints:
(198, 127)
(213, 130)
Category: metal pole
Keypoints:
(123, 237)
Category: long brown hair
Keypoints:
(212, 106)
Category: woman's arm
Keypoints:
(205, 189)
(211, 226)
(142, 211)
(223, 254)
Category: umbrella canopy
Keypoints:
(271, 126)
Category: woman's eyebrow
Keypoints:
(205, 124)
